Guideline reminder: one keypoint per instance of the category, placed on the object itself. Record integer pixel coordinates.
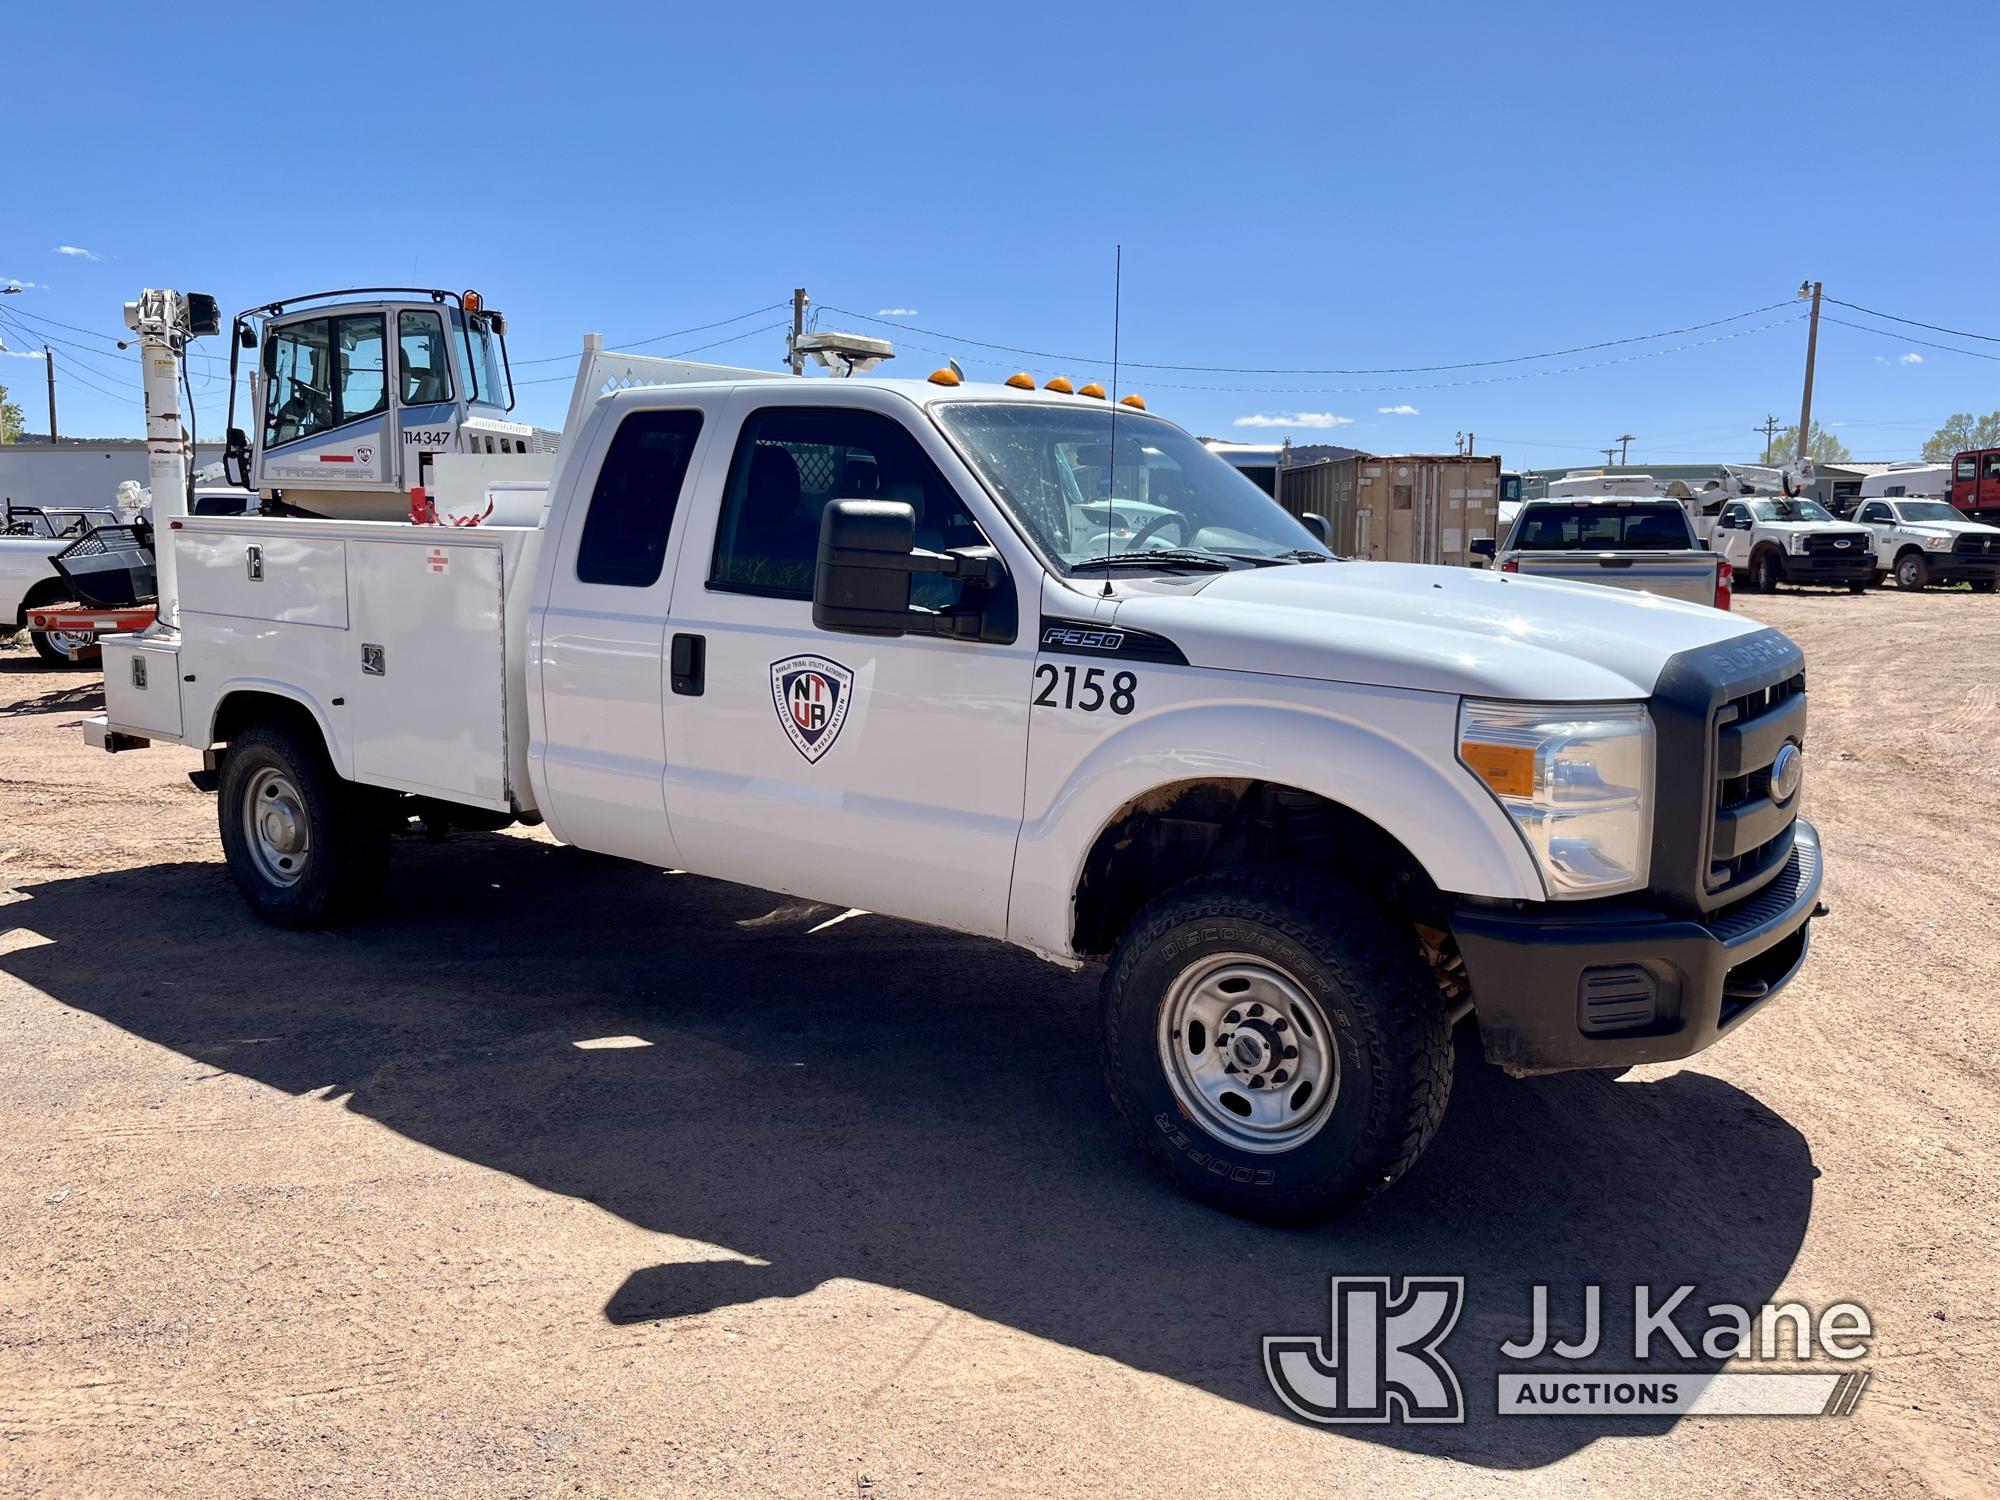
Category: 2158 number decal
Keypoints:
(1084, 690)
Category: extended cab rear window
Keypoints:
(1606, 528)
(632, 509)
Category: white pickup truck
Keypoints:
(869, 642)
(29, 537)
(1774, 539)
(1643, 544)
(1920, 542)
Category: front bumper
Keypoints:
(1556, 988)
(1948, 567)
(1830, 567)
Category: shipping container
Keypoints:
(1425, 508)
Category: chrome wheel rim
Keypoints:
(280, 834)
(1248, 1053)
(67, 641)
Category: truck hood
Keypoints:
(1437, 629)
(1942, 528)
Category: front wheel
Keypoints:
(1767, 571)
(305, 848)
(1275, 1044)
(1912, 571)
(1860, 586)
(1985, 585)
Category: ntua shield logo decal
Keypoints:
(811, 695)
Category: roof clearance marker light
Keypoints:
(1136, 402)
(1060, 385)
(1508, 769)
(943, 377)
(1022, 382)
(1093, 390)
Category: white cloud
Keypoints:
(895, 312)
(1405, 410)
(76, 250)
(1912, 358)
(1295, 419)
(19, 353)
(20, 285)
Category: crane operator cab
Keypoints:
(355, 396)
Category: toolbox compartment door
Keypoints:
(429, 703)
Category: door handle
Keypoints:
(689, 664)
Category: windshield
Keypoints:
(1928, 510)
(486, 364)
(1631, 528)
(1790, 510)
(1161, 492)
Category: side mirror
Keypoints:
(868, 555)
(1319, 526)
(236, 458)
(1484, 546)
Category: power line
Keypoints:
(1470, 364)
(679, 354)
(1904, 338)
(1933, 327)
(22, 312)
(679, 333)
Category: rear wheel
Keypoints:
(305, 848)
(55, 646)
(1985, 585)
(1276, 1046)
(1912, 571)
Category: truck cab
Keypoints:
(1975, 483)
(1774, 539)
(357, 394)
(1646, 545)
(1920, 542)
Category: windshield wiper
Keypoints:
(1295, 555)
(1167, 559)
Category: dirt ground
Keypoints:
(846, 1211)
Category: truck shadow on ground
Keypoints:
(908, 1107)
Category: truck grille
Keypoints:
(1836, 543)
(1976, 544)
(1750, 835)
(1721, 715)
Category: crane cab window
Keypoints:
(322, 373)
(424, 359)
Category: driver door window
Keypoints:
(423, 358)
(793, 462)
(1876, 512)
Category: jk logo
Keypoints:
(1379, 1361)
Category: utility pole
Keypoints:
(1624, 448)
(799, 300)
(1770, 431)
(1608, 453)
(49, 363)
(1811, 289)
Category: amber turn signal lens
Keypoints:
(1508, 769)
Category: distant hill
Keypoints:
(1317, 453)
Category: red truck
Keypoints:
(1975, 484)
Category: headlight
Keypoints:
(1797, 542)
(1938, 543)
(1577, 779)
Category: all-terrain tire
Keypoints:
(1385, 1022)
(338, 860)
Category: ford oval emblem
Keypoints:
(1843, 544)
(1787, 771)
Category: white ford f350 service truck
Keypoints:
(869, 642)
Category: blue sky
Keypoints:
(1294, 186)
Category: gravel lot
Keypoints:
(353, 1212)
